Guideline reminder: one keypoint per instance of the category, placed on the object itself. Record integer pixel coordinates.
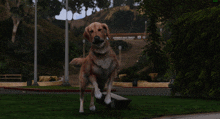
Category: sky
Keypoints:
(76, 16)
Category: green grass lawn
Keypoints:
(53, 87)
(66, 106)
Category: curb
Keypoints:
(51, 90)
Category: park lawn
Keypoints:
(66, 106)
(53, 87)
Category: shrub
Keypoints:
(130, 70)
(130, 77)
(55, 52)
(145, 76)
(114, 44)
(126, 79)
(195, 53)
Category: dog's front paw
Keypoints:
(81, 111)
(92, 108)
(107, 100)
(98, 94)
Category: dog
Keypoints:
(99, 67)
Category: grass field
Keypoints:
(66, 106)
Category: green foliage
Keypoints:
(117, 3)
(195, 54)
(144, 76)
(172, 9)
(138, 25)
(19, 56)
(78, 31)
(128, 71)
(60, 23)
(130, 3)
(48, 9)
(3, 67)
(153, 50)
(115, 44)
(128, 24)
(130, 77)
(103, 3)
(55, 52)
(127, 17)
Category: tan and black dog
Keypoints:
(99, 67)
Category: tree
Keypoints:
(103, 4)
(195, 53)
(130, 3)
(169, 10)
(4, 13)
(153, 50)
(17, 9)
(48, 8)
(172, 9)
(117, 3)
(88, 4)
(74, 5)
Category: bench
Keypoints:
(10, 76)
(118, 102)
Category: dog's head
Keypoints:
(96, 33)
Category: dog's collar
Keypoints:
(98, 54)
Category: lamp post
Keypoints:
(66, 82)
(119, 47)
(145, 29)
(84, 47)
(35, 47)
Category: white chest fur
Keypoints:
(104, 63)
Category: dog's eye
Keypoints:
(99, 29)
(91, 31)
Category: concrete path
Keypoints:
(212, 115)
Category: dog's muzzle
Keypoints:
(97, 40)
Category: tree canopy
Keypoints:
(172, 9)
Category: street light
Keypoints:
(161, 31)
(66, 83)
(35, 47)
(146, 30)
(119, 47)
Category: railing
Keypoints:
(128, 36)
(11, 76)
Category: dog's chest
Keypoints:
(103, 67)
(103, 63)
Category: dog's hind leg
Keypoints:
(92, 105)
(97, 92)
(81, 110)
(82, 89)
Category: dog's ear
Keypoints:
(105, 26)
(86, 34)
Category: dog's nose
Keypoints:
(96, 38)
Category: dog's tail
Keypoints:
(77, 61)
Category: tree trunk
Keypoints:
(16, 22)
